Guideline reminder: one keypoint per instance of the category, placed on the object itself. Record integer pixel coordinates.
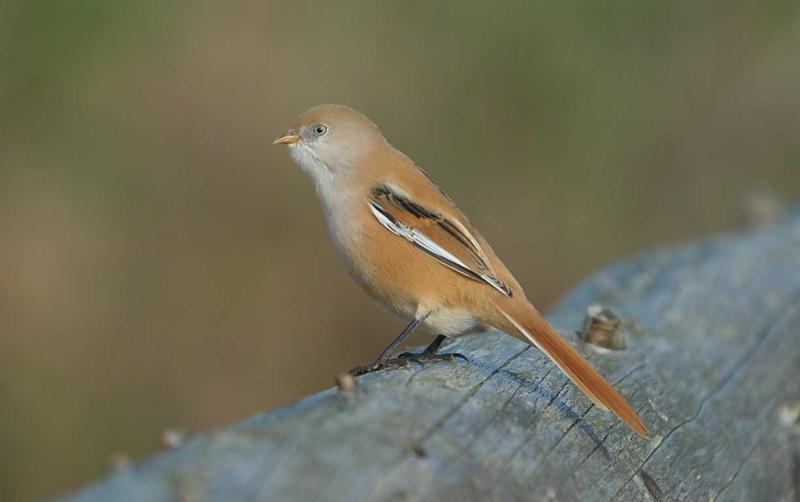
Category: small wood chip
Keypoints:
(601, 328)
(345, 382)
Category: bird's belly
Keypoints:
(450, 321)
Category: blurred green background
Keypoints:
(161, 264)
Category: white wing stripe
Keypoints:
(430, 246)
(413, 236)
(383, 220)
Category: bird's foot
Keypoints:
(429, 354)
(378, 364)
(405, 359)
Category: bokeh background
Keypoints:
(162, 265)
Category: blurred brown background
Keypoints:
(162, 265)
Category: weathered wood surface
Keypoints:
(714, 368)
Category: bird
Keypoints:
(407, 244)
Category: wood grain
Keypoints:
(715, 358)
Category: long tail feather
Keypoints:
(537, 331)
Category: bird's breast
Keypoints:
(349, 226)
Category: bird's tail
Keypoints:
(526, 321)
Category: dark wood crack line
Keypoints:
(740, 364)
(416, 445)
(528, 437)
(468, 395)
(573, 424)
(738, 469)
(499, 412)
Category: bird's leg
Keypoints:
(384, 359)
(429, 354)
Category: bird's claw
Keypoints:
(395, 363)
(431, 356)
(404, 360)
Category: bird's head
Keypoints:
(331, 140)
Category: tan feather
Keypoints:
(536, 330)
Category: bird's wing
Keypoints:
(445, 239)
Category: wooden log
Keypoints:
(712, 363)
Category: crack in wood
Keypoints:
(528, 437)
(651, 486)
(738, 469)
(416, 445)
(727, 378)
(499, 413)
(596, 447)
(576, 421)
(468, 395)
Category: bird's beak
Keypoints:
(288, 139)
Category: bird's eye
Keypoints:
(320, 129)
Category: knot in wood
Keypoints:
(601, 328)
